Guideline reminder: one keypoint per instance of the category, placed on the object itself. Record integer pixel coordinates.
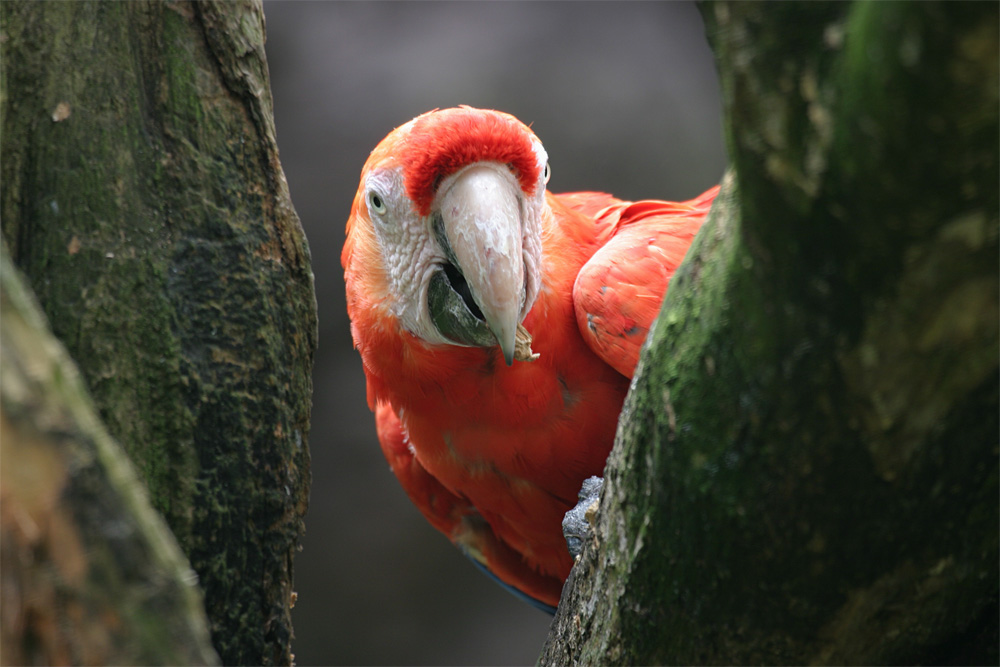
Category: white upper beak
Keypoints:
(481, 211)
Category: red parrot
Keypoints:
(499, 326)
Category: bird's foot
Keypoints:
(578, 523)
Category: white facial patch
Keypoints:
(412, 254)
(409, 252)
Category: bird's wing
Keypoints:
(618, 292)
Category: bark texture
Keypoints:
(806, 468)
(143, 199)
(91, 573)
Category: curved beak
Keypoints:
(481, 215)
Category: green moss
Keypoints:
(805, 469)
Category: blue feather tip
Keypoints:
(521, 595)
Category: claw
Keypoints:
(578, 523)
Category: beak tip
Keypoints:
(507, 345)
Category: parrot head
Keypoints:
(446, 227)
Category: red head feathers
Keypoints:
(474, 135)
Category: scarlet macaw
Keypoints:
(499, 326)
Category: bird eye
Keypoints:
(376, 202)
(547, 174)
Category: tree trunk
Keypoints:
(806, 466)
(91, 573)
(144, 201)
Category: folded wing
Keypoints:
(618, 292)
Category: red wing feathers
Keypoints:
(618, 292)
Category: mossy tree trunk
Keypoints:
(144, 201)
(806, 470)
(91, 573)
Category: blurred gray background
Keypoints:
(624, 97)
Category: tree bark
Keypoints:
(91, 573)
(144, 201)
(806, 465)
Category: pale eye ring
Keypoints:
(547, 172)
(376, 202)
